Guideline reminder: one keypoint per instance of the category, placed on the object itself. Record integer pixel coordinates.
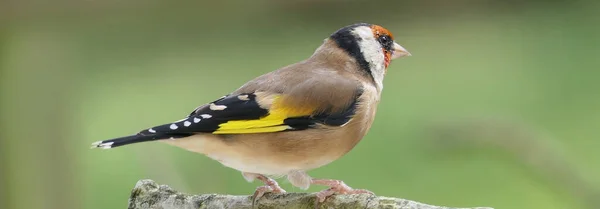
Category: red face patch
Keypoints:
(387, 58)
(379, 31)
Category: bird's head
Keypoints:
(372, 46)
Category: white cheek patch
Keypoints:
(372, 51)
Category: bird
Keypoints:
(297, 118)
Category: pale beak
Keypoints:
(399, 51)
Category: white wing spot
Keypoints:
(206, 116)
(173, 126)
(243, 97)
(196, 120)
(151, 130)
(187, 123)
(213, 106)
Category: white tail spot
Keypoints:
(196, 120)
(206, 116)
(151, 130)
(173, 126)
(187, 123)
(100, 144)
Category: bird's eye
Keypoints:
(386, 42)
(384, 39)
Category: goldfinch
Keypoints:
(297, 118)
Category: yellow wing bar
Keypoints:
(273, 122)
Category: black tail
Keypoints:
(117, 142)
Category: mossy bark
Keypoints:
(149, 195)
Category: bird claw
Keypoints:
(336, 187)
(322, 195)
(260, 191)
(270, 186)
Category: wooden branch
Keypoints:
(149, 195)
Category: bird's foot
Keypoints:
(262, 190)
(336, 187)
(270, 186)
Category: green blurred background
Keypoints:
(498, 106)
